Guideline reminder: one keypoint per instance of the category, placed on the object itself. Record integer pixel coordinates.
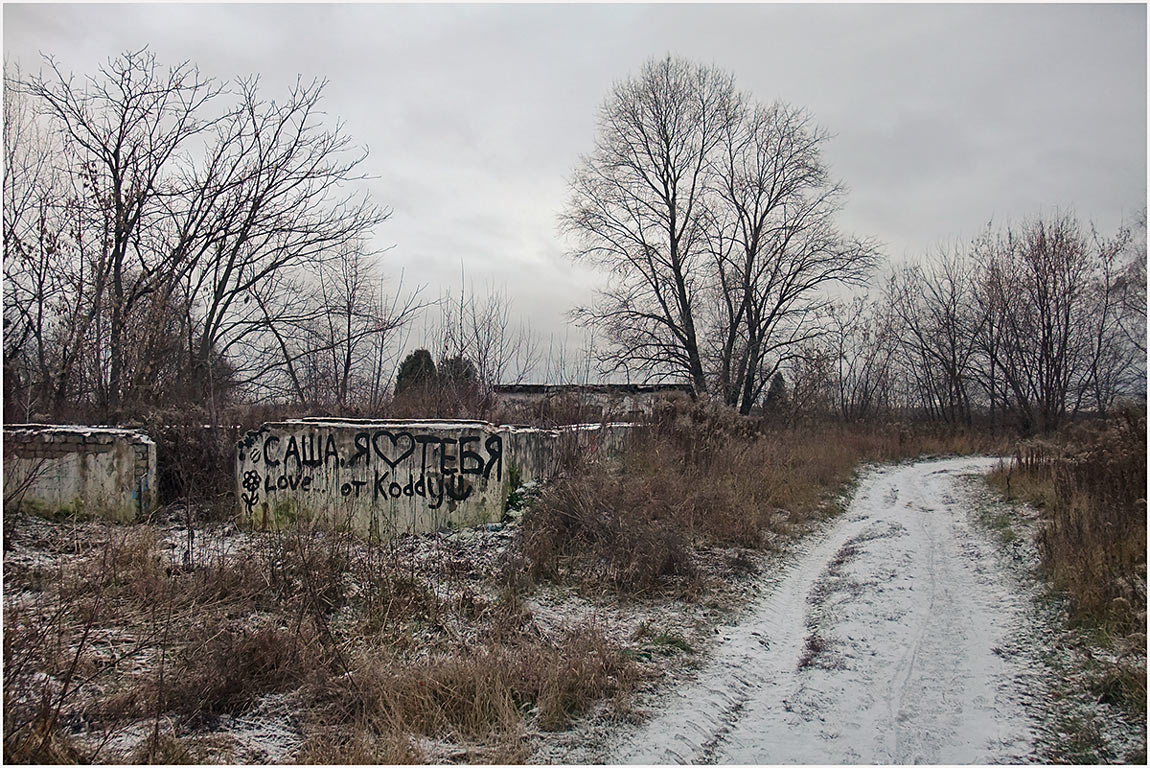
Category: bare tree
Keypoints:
(480, 329)
(1057, 340)
(192, 217)
(558, 361)
(861, 341)
(125, 127)
(401, 308)
(271, 201)
(714, 218)
(812, 375)
(939, 325)
(33, 197)
(1131, 288)
(1115, 363)
(772, 236)
(637, 210)
(355, 313)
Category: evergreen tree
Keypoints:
(777, 397)
(416, 371)
(457, 370)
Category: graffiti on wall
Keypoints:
(376, 465)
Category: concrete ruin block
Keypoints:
(381, 478)
(95, 470)
(384, 478)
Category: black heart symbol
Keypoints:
(394, 444)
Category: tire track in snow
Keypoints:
(876, 646)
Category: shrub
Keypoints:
(222, 668)
(194, 461)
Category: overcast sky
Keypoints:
(944, 117)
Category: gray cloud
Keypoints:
(943, 116)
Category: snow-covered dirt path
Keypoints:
(881, 644)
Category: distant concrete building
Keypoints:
(583, 403)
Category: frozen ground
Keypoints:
(883, 642)
(901, 631)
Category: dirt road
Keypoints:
(881, 644)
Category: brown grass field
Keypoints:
(170, 641)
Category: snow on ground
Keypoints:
(899, 632)
(1065, 669)
(880, 644)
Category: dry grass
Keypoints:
(701, 478)
(483, 695)
(1090, 486)
(364, 641)
(384, 657)
(224, 667)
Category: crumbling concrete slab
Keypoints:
(70, 468)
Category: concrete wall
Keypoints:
(104, 471)
(383, 478)
(537, 454)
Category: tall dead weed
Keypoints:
(702, 477)
(1089, 484)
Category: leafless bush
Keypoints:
(223, 667)
(194, 460)
(699, 429)
(610, 531)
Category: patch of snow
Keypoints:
(83, 430)
(265, 733)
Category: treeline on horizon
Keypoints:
(174, 243)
